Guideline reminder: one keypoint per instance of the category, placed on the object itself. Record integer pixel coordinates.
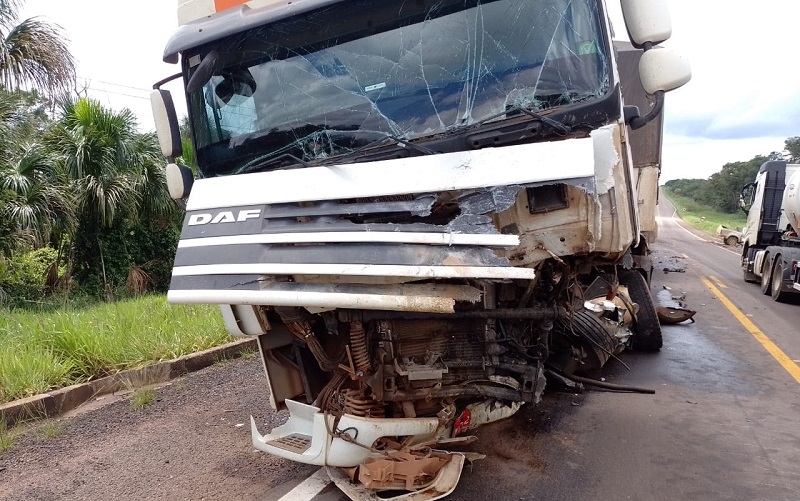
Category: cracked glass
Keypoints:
(316, 88)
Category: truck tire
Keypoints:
(597, 341)
(778, 294)
(732, 241)
(749, 276)
(766, 277)
(647, 329)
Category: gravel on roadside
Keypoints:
(191, 443)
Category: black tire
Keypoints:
(777, 292)
(766, 277)
(599, 343)
(732, 241)
(749, 277)
(646, 329)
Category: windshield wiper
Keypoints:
(559, 127)
(261, 162)
(288, 160)
(514, 132)
(397, 141)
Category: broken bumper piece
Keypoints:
(313, 437)
(386, 475)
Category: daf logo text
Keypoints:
(223, 217)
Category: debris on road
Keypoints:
(667, 269)
(672, 316)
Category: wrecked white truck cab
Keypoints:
(423, 210)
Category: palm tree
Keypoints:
(36, 200)
(36, 208)
(114, 174)
(33, 52)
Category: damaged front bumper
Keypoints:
(313, 437)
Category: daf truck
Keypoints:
(424, 210)
(771, 245)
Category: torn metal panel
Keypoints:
(343, 253)
(488, 201)
(512, 165)
(647, 198)
(606, 158)
(418, 207)
(443, 484)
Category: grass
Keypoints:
(702, 217)
(141, 398)
(42, 350)
(248, 353)
(7, 436)
(50, 430)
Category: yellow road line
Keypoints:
(718, 282)
(786, 362)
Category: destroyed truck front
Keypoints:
(362, 236)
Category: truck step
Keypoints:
(295, 442)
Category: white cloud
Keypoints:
(117, 45)
(744, 97)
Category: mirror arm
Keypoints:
(637, 122)
(157, 85)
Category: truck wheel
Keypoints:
(766, 277)
(746, 257)
(647, 329)
(732, 241)
(778, 294)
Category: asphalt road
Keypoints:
(724, 423)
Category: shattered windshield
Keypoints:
(363, 72)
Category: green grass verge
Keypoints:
(702, 217)
(42, 350)
(142, 398)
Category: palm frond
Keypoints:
(36, 53)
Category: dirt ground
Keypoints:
(191, 443)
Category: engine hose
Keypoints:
(303, 331)
(607, 386)
(325, 362)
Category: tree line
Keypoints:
(722, 189)
(84, 205)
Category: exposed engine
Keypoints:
(406, 364)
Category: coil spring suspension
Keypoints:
(359, 349)
(358, 403)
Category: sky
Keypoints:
(743, 100)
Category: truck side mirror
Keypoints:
(746, 197)
(647, 21)
(179, 181)
(166, 121)
(662, 69)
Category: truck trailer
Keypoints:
(771, 245)
(423, 210)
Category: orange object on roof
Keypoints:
(221, 5)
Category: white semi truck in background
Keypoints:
(771, 244)
(422, 209)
